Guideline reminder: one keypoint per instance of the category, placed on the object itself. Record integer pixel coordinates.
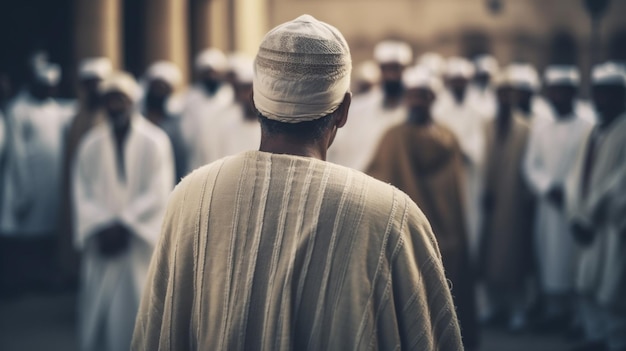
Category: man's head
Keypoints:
(505, 93)
(525, 82)
(119, 94)
(421, 89)
(459, 71)
(243, 75)
(90, 73)
(609, 91)
(162, 79)
(562, 88)
(486, 69)
(366, 76)
(46, 80)
(211, 67)
(301, 82)
(393, 57)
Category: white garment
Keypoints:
(368, 121)
(468, 125)
(111, 287)
(35, 160)
(236, 133)
(3, 136)
(198, 125)
(483, 99)
(553, 149)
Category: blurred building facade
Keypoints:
(135, 33)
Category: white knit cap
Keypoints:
(393, 51)
(608, 73)
(421, 77)
(459, 67)
(48, 73)
(523, 76)
(95, 67)
(486, 64)
(367, 71)
(166, 71)
(302, 71)
(433, 61)
(212, 58)
(120, 82)
(562, 75)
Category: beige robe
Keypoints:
(507, 236)
(426, 163)
(277, 252)
(602, 266)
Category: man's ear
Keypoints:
(342, 111)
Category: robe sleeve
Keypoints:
(164, 319)
(539, 180)
(426, 315)
(145, 212)
(89, 214)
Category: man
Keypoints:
(423, 159)
(506, 248)
(162, 79)
(238, 127)
(91, 72)
(481, 91)
(202, 104)
(123, 176)
(366, 78)
(278, 250)
(33, 185)
(373, 114)
(596, 204)
(455, 111)
(434, 62)
(552, 150)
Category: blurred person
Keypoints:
(526, 84)
(90, 73)
(481, 90)
(202, 104)
(366, 77)
(293, 252)
(551, 155)
(455, 111)
(373, 114)
(596, 207)
(123, 177)
(162, 79)
(238, 127)
(32, 186)
(506, 253)
(423, 159)
(432, 61)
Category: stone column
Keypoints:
(166, 33)
(98, 30)
(250, 24)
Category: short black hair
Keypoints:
(309, 130)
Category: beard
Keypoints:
(155, 102)
(393, 88)
(210, 86)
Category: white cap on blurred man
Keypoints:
(121, 82)
(393, 51)
(421, 77)
(567, 75)
(166, 71)
(459, 67)
(523, 76)
(608, 73)
(212, 58)
(95, 68)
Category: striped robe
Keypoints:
(278, 252)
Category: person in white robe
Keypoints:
(238, 126)
(551, 155)
(32, 196)
(372, 114)
(596, 199)
(277, 249)
(123, 175)
(481, 90)
(366, 77)
(202, 104)
(527, 85)
(454, 110)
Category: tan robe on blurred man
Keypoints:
(426, 163)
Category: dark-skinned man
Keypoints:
(596, 207)
(423, 159)
(123, 175)
(278, 249)
(552, 151)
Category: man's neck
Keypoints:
(280, 144)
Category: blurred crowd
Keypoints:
(523, 181)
